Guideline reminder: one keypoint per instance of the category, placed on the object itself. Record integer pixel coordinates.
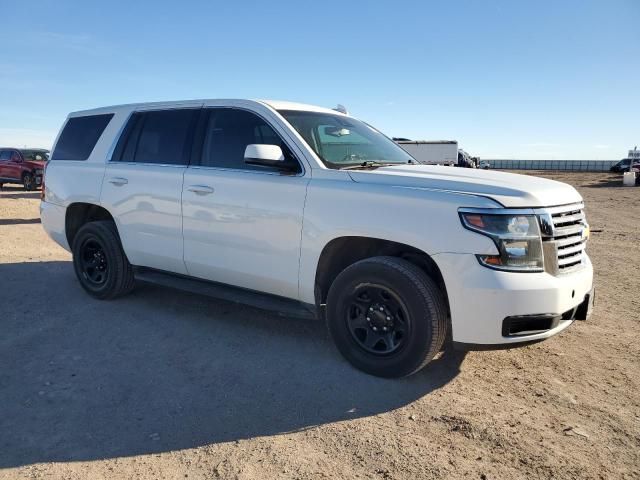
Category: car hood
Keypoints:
(34, 164)
(509, 189)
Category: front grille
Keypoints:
(563, 235)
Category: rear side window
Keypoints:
(79, 136)
(228, 132)
(161, 137)
(5, 155)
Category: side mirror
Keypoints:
(266, 156)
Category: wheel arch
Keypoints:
(341, 252)
(79, 213)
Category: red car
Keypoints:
(23, 166)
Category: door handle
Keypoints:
(118, 181)
(200, 189)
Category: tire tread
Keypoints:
(428, 292)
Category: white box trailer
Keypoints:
(434, 152)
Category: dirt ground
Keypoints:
(165, 384)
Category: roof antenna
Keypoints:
(341, 109)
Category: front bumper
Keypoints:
(482, 299)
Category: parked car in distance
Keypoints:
(23, 166)
(484, 164)
(312, 212)
(623, 165)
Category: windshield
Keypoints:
(35, 155)
(342, 141)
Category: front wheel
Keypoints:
(99, 261)
(386, 316)
(28, 182)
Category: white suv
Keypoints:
(309, 211)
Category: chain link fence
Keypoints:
(576, 165)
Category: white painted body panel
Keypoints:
(266, 232)
(427, 220)
(509, 189)
(53, 222)
(147, 212)
(246, 232)
(480, 298)
(70, 182)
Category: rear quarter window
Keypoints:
(79, 136)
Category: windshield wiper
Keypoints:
(368, 164)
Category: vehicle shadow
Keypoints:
(163, 370)
(609, 182)
(18, 192)
(18, 221)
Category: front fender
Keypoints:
(425, 220)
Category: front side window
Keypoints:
(227, 133)
(79, 136)
(342, 141)
(159, 137)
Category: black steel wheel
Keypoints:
(99, 261)
(377, 319)
(386, 316)
(93, 261)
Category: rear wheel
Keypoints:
(386, 316)
(28, 181)
(99, 261)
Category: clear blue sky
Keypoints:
(508, 79)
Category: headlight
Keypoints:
(517, 237)
(39, 171)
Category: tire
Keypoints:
(100, 263)
(399, 298)
(28, 182)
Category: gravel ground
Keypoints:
(165, 384)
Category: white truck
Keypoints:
(432, 152)
(312, 212)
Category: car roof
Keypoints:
(284, 105)
(275, 104)
(25, 149)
